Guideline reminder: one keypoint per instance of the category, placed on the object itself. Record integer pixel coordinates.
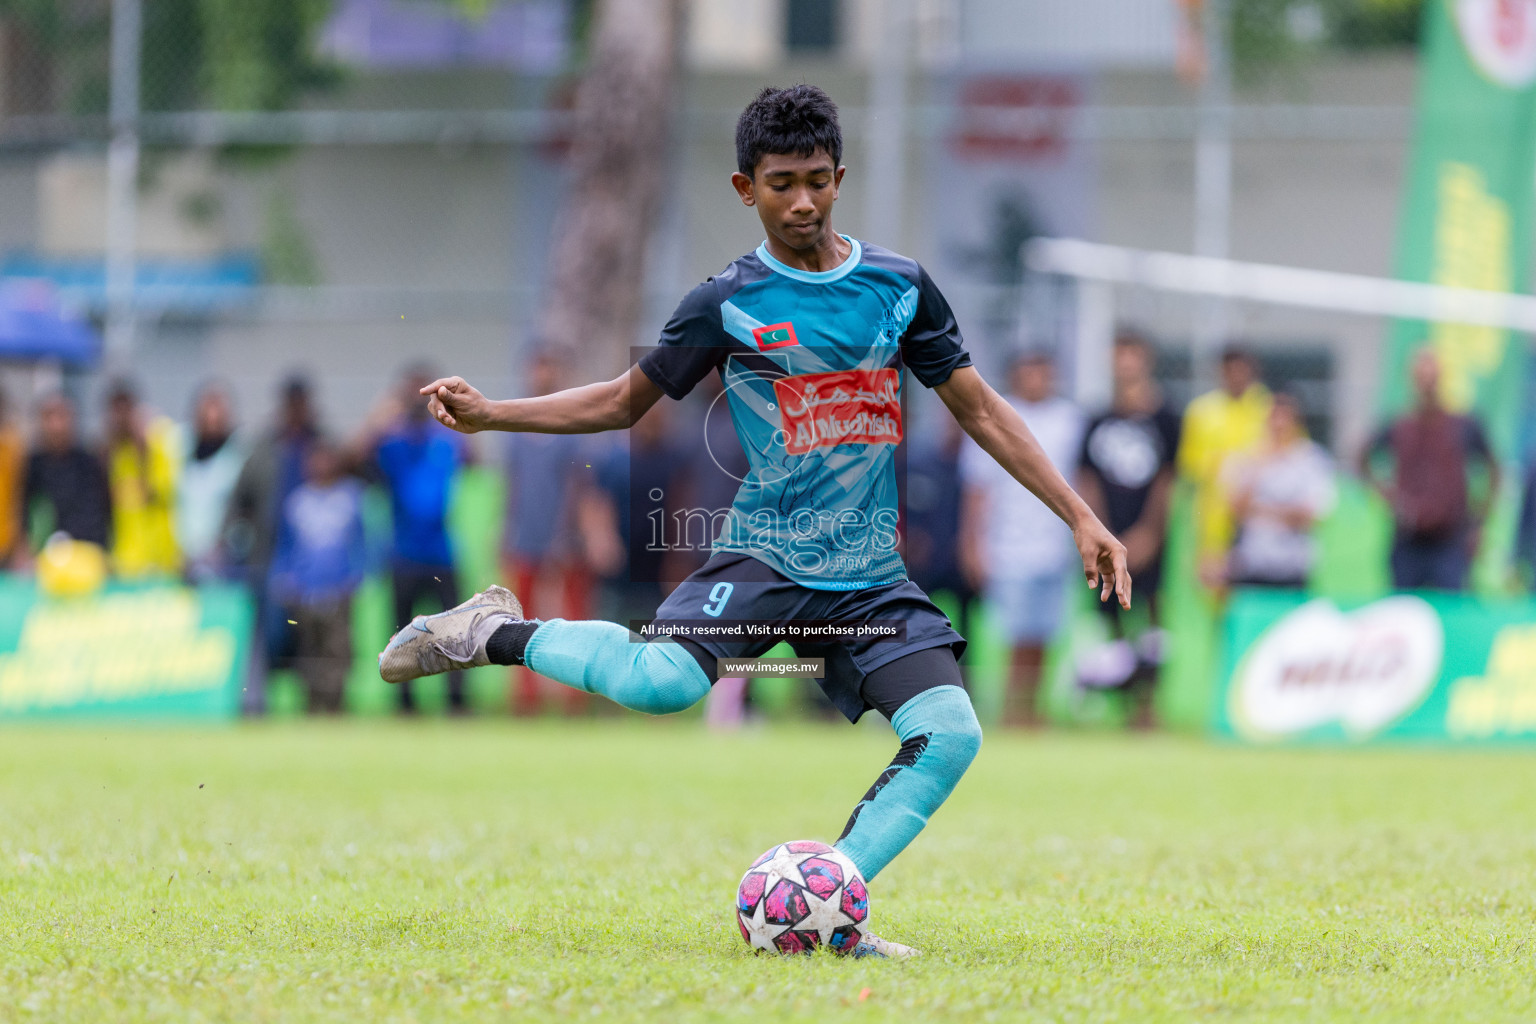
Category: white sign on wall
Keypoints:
(1501, 37)
(1319, 666)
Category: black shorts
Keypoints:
(733, 587)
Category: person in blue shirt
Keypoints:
(317, 567)
(810, 334)
(541, 550)
(417, 464)
(252, 521)
(635, 479)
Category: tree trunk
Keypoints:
(618, 156)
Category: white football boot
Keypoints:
(448, 640)
(873, 945)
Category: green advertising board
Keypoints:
(161, 651)
(1467, 211)
(1438, 667)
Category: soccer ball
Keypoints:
(800, 895)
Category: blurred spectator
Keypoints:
(66, 486)
(143, 464)
(712, 466)
(1278, 494)
(418, 462)
(541, 546)
(274, 468)
(1218, 425)
(211, 464)
(13, 458)
(1127, 479)
(1012, 544)
(932, 531)
(317, 567)
(1437, 526)
(1525, 532)
(708, 483)
(636, 477)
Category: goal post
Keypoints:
(1099, 274)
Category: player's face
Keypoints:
(793, 196)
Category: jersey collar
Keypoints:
(837, 273)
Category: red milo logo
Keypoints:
(775, 335)
(820, 410)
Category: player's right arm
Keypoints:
(590, 409)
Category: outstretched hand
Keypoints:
(457, 405)
(1103, 561)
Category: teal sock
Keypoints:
(939, 738)
(658, 677)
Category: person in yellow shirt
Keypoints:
(1218, 425)
(143, 468)
(13, 456)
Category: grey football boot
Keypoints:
(448, 640)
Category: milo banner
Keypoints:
(155, 651)
(1406, 667)
(1467, 218)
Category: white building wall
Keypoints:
(739, 34)
(1094, 33)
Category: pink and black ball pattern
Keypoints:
(800, 895)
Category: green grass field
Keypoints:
(489, 871)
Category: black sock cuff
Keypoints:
(510, 642)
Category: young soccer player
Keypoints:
(809, 334)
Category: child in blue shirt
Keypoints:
(320, 559)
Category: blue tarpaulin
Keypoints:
(35, 325)
(187, 287)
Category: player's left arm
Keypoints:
(1002, 433)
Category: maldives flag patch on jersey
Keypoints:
(820, 410)
(775, 335)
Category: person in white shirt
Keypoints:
(211, 463)
(1012, 547)
(1277, 494)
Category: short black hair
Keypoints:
(1031, 355)
(1237, 352)
(1133, 337)
(798, 120)
(1285, 396)
(295, 387)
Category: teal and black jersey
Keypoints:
(811, 364)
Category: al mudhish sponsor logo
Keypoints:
(1319, 667)
(820, 410)
(1500, 36)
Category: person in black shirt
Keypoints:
(1127, 478)
(933, 518)
(627, 513)
(65, 483)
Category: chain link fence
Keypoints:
(345, 186)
